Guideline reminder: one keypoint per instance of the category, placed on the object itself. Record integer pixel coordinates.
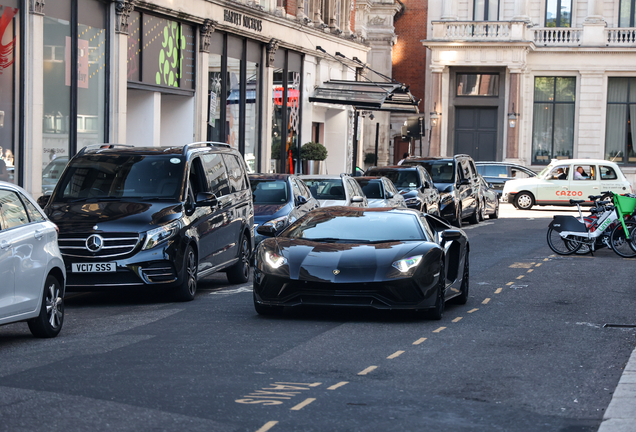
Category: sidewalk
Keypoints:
(620, 415)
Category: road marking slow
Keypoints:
(473, 310)
(458, 319)
(267, 426)
(340, 384)
(303, 404)
(395, 354)
(439, 330)
(367, 370)
(498, 290)
(485, 301)
(419, 341)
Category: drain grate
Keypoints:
(620, 325)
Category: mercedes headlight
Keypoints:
(278, 223)
(406, 264)
(446, 198)
(156, 236)
(412, 201)
(274, 260)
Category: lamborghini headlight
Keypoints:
(274, 261)
(406, 264)
(156, 236)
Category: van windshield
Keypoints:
(441, 171)
(140, 177)
(403, 179)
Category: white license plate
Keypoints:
(94, 267)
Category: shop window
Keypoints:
(558, 13)
(553, 118)
(9, 87)
(620, 128)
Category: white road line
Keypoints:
(223, 291)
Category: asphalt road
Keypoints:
(527, 353)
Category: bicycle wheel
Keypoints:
(620, 244)
(560, 245)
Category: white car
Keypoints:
(31, 266)
(564, 180)
(332, 190)
(381, 192)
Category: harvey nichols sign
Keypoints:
(242, 20)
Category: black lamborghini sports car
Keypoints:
(382, 258)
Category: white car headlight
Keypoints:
(413, 201)
(406, 264)
(274, 261)
(156, 236)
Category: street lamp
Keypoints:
(434, 116)
(512, 117)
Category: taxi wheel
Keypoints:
(524, 201)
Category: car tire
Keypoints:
(240, 272)
(440, 303)
(188, 287)
(51, 317)
(266, 310)
(462, 298)
(458, 216)
(482, 211)
(524, 201)
(495, 215)
(474, 218)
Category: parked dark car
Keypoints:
(489, 200)
(415, 185)
(498, 173)
(381, 192)
(279, 199)
(378, 258)
(156, 217)
(456, 179)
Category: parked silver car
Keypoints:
(332, 190)
(381, 192)
(31, 266)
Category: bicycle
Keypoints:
(567, 234)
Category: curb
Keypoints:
(620, 415)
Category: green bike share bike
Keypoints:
(612, 223)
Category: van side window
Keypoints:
(195, 179)
(235, 173)
(607, 173)
(216, 174)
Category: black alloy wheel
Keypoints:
(49, 322)
(482, 213)
(188, 287)
(240, 272)
(440, 302)
(462, 298)
(458, 216)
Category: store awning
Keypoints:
(375, 96)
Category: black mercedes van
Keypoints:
(153, 217)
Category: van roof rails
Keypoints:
(103, 146)
(202, 144)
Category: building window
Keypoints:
(627, 13)
(477, 84)
(9, 87)
(558, 13)
(620, 129)
(234, 91)
(553, 119)
(486, 10)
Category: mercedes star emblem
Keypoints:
(336, 272)
(94, 243)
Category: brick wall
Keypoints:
(291, 7)
(409, 55)
(353, 16)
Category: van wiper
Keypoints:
(324, 239)
(96, 199)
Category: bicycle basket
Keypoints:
(625, 204)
